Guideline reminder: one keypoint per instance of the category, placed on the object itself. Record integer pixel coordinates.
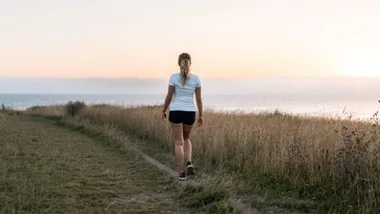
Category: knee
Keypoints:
(186, 138)
(179, 142)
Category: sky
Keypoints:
(326, 86)
(226, 39)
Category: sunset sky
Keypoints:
(227, 39)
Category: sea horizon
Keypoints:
(360, 107)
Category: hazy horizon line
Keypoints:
(208, 78)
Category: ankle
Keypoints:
(189, 163)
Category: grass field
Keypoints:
(278, 162)
(47, 169)
(332, 162)
(51, 166)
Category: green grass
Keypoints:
(48, 169)
(218, 186)
(278, 163)
(198, 195)
(293, 163)
(54, 166)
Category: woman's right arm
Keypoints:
(198, 95)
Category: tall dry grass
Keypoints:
(70, 109)
(46, 111)
(322, 158)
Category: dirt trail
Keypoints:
(245, 207)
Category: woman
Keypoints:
(183, 86)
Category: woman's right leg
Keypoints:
(188, 148)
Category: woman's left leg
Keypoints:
(178, 140)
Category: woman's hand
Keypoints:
(164, 116)
(200, 120)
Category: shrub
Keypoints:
(74, 108)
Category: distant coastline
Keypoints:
(360, 107)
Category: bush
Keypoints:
(74, 108)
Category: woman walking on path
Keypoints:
(182, 112)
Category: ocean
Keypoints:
(358, 106)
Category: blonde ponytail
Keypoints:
(184, 66)
(184, 62)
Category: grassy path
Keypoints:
(48, 169)
(75, 167)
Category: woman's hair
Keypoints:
(184, 61)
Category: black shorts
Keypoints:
(185, 117)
